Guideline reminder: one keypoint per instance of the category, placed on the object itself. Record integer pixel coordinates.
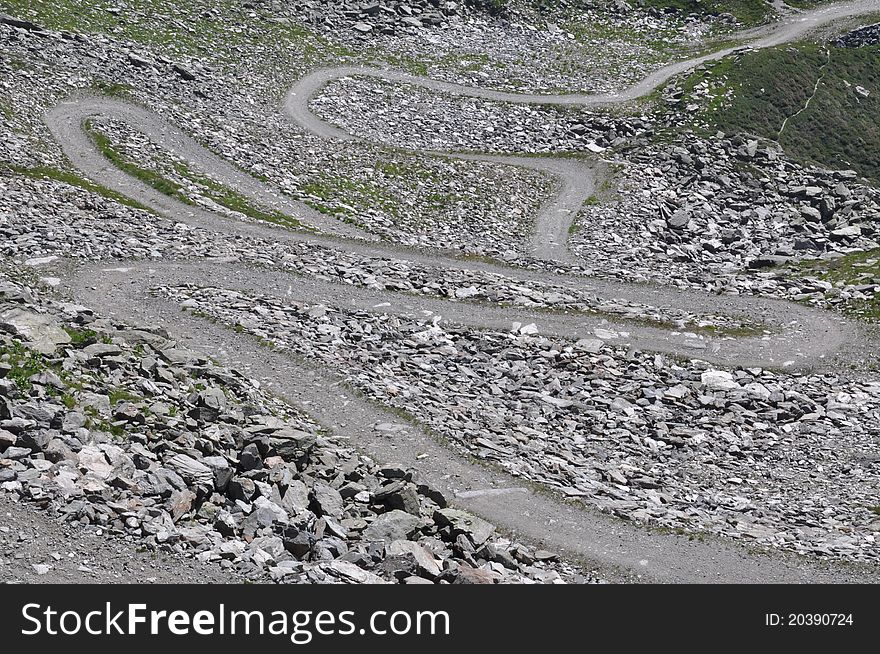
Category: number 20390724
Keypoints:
(808, 619)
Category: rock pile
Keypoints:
(864, 36)
(418, 119)
(387, 18)
(121, 428)
(717, 214)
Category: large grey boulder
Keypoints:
(43, 333)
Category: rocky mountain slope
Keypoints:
(521, 300)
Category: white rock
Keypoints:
(718, 380)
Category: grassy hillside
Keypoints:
(757, 91)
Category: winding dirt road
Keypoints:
(802, 337)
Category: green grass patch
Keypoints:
(661, 44)
(806, 4)
(232, 200)
(440, 201)
(122, 395)
(410, 169)
(72, 179)
(113, 429)
(746, 11)
(739, 331)
(336, 188)
(27, 362)
(404, 63)
(756, 92)
(856, 268)
(24, 361)
(81, 337)
(149, 177)
(112, 89)
(219, 193)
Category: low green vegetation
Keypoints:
(67, 177)
(332, 189)
(658, 45)
(122, 395)
(112, 89)
(408, 168)
(211, 189)
(24, 361)
(149, 177)
(806, 4)
(440, 201)
(15, 63)
(234, 201)
(575, 225)
(401, 62)
(116, 429)
(81, 337)
(219, 31)
(854, 269)
(492, 6)
(757, 92)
